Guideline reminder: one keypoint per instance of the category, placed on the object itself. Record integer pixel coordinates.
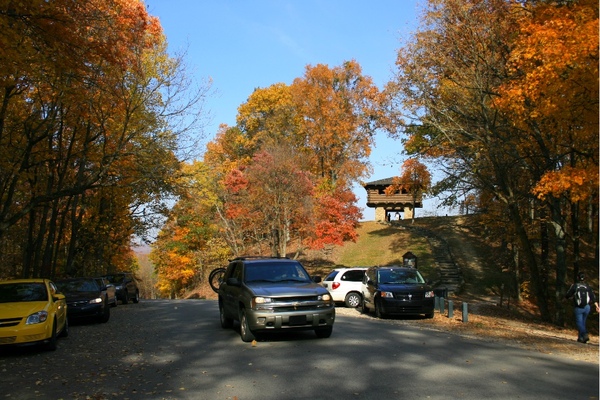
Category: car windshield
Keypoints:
(115, 278)
(400, 276)
(88, 285)
(274, 272)
(18, 292)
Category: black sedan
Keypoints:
(85, 299)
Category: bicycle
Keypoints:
(215, 278)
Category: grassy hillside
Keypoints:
(377, 244)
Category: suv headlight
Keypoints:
(388, 295)
(37, 318)
(325, 297)
(261, 302)
(96, 300)
(429, 294)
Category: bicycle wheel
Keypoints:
(215, 278)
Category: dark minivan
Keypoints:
(395, 290)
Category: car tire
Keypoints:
(378, 313)
(125, 298)
(363, 308)
(226, 323)
(353, 300)
(324, 333)
(136, 299)
(106, 314)
(51, 344)
(429, 315)
(65, 331)
(245, 332)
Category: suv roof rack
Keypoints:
(258, 257)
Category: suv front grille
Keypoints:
(287, 304)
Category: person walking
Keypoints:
(583, 297)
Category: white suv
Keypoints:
(344, 284)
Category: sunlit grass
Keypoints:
(382, 244)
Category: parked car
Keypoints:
(273, 294)
(85, 299)
(32, 312)
(125, 285)
(345, 284)
(110, 290)
(394, 290)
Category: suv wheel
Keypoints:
(353, 300)
(136, 299)
(125, 297)
(226, 323)
(245, 332)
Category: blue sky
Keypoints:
(243, 45)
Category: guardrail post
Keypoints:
(450, 309)
(442, 304)
(465, 316)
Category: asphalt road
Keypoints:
(176, 349)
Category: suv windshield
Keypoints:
(274, 272)
(118, 278)
(388, 276)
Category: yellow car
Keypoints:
(32, 312)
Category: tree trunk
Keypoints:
(561, 262)
(530, 262)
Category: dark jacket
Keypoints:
(573, 288)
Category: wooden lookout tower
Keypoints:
(390, 207)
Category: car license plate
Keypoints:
(298, 320)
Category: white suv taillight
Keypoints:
(335, 285)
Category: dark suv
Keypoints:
(273, 294)
(126, 286)
(394, 290)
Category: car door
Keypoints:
(60, 303)
(230, 293)
(352, 279)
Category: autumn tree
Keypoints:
(189, 245)
(552, 96)
(326, 119)
(339, 110)
(88, 92)
(459, 78)
(275, 195)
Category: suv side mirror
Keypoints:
(316, 279)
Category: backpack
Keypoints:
(582, 296)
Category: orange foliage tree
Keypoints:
(83, 106)
(504, 95)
